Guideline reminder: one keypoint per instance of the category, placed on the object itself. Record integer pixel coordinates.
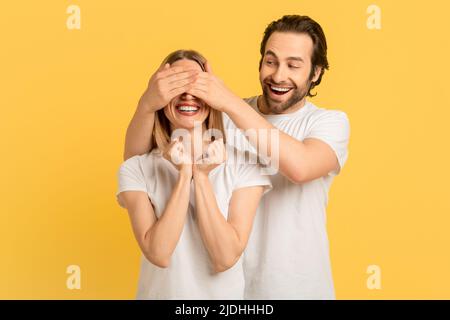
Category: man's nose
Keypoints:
(279, 75)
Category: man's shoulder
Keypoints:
(252, 101)
(316, 112)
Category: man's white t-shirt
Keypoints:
(190, 274)
(287, 256)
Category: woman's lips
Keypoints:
(187, 109)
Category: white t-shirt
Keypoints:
(287, 256)
(190, 274)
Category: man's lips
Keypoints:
(278, 90)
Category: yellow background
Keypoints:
(67, 97)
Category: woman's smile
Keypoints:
(187, 108)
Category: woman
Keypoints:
(191, 207)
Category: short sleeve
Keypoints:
(130, 176)
(333, 128)
(250, 175)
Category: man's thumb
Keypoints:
(163, 67)
(208, 67)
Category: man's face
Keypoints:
(285, 70)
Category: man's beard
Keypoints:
(297, 95)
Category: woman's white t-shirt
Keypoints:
(190, 274)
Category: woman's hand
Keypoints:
(215, 155)
(165, 84)
(182, 160)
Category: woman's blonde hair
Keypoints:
(162, 130)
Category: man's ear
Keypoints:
(317, 71)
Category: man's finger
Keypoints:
(197, 92)
(208, 67)
(177, 91)
(181, 84)
(204, 75)
(201, 83)
(162, 67)
(197, 87)
(181, 76)
(175, 70)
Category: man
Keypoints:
(288, 255)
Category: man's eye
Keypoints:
(294, 67)
(269, 62)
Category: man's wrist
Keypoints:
(144, 107)
(232, 105)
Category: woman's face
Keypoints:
(184, 109)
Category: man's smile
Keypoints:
(276, 90)
(279, 90)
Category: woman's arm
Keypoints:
(225, 239)
(158, 238)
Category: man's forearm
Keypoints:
(299, 161)
(268, 140)
(246, 118)
(139, 133)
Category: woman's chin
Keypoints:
(189, 124)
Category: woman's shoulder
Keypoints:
(143, 162)
(145, 167)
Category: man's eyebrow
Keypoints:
(271, 53)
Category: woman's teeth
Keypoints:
(188, 109)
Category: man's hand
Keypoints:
(212, 90)
(215, 155)
(165, 84)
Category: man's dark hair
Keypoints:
(301, 24)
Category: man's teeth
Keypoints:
(187, 108)
(280, 89)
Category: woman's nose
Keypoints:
(187, 96)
